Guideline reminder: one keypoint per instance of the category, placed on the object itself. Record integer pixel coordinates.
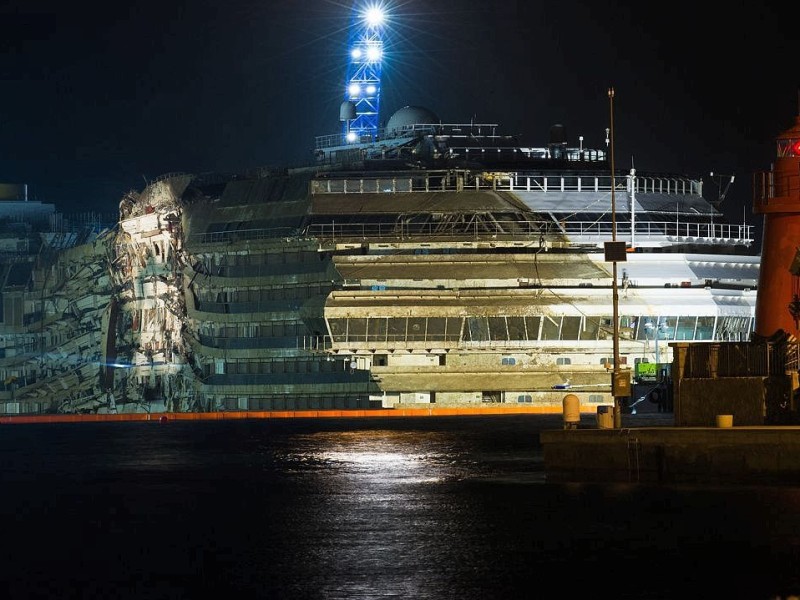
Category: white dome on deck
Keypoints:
(409, 116)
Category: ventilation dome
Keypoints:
(408, 116)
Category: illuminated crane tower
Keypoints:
(362, 93)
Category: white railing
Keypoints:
(459, 180)
(577, 231)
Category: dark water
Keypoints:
(374, 508)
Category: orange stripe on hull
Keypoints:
(286, 414)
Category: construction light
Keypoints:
(374, 16)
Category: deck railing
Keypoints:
(477, 229)
(578, 231)
(460, 180)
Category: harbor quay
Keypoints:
(736, 455)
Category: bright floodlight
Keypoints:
(373, 53)
(371, 89)
(356, 53)
(374, 16)
(351, 136)
(354, 89)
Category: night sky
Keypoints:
(95, 99)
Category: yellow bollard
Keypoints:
(571, 405)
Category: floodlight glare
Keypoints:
(356, 53)
(351, 136)
(371, 89)
(373, 53)
(374, 16)
(354, 89)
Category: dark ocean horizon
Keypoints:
(444, 507)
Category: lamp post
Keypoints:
(615, 252)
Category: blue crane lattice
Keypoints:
(363, 81)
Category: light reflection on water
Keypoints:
(337, 509)
(380, 457)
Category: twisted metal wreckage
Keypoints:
(113, 306)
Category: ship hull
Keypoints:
(312, 290)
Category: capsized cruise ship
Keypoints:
(422, 263)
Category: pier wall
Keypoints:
(699, 401)
(737, 455)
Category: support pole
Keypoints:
(615, 382)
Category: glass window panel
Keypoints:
(550, 328)
(627, 327)
(590, 328)
(705, 328)
(478, 329)
(376, 329)
(516, 328)
(356, 330)
(605, 328)
(685, 330)
(646, 329)
(668, 327)
(570, 328)
(416, 329)
(497, 328)
(338, 329)
(397, 329)
(532, 325)
(454, 328)
(436, 328)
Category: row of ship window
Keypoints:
(512, 328)
(488, 329)
(591, 398)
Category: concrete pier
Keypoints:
(762, 455)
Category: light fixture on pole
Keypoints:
(615, 252)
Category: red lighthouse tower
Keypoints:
(776, 195)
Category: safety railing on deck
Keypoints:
(460, 180)
(589, 231)
(577, 231)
